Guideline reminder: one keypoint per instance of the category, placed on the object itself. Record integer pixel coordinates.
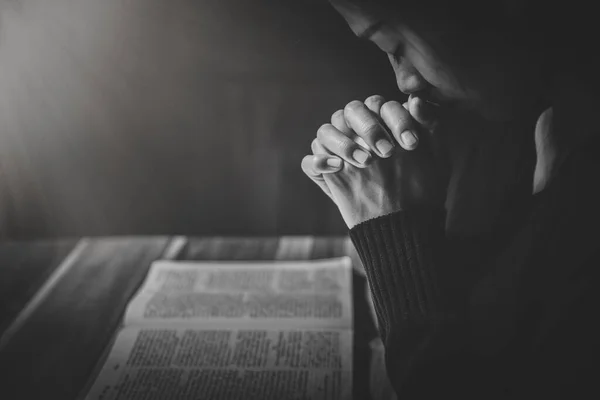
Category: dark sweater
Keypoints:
(524, 325)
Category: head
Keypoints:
(498, 60)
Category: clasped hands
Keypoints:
(377, 157)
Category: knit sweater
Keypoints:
(526, 324)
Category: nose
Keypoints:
(408, 79)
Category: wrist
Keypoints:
(364, 212)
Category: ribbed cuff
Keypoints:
(397, 251)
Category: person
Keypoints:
(519, 319)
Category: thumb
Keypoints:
(425, 113)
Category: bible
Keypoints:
(234, 330)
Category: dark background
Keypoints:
(172, 116)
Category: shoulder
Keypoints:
(573, 193)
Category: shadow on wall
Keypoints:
(171, 116)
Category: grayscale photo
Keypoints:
(299, 200)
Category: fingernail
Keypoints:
(384, 146)
(408, 138)
(360, 156)
(334, 162)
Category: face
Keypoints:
(498, 80)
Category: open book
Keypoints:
(246, 330)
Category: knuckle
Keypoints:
(306, 160)
(314, 145)
(395, 114)
(337, 115)
(312, 166)
(376, 98)
(371, 131)
(390, 105)
(322, 131)
(353, 106)
(344, 147)
(304, 164)
(317, 164)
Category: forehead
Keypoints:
(416, 22)
(423, 16)
(359, 18)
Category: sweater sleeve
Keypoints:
(519, 322)
(420, 309)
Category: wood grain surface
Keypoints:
(66, 309)
(24, 267)
(57, 346)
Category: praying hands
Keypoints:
(378, 157)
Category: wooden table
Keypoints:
(62, 301)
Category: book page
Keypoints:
(248, 294)
(245, 364)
